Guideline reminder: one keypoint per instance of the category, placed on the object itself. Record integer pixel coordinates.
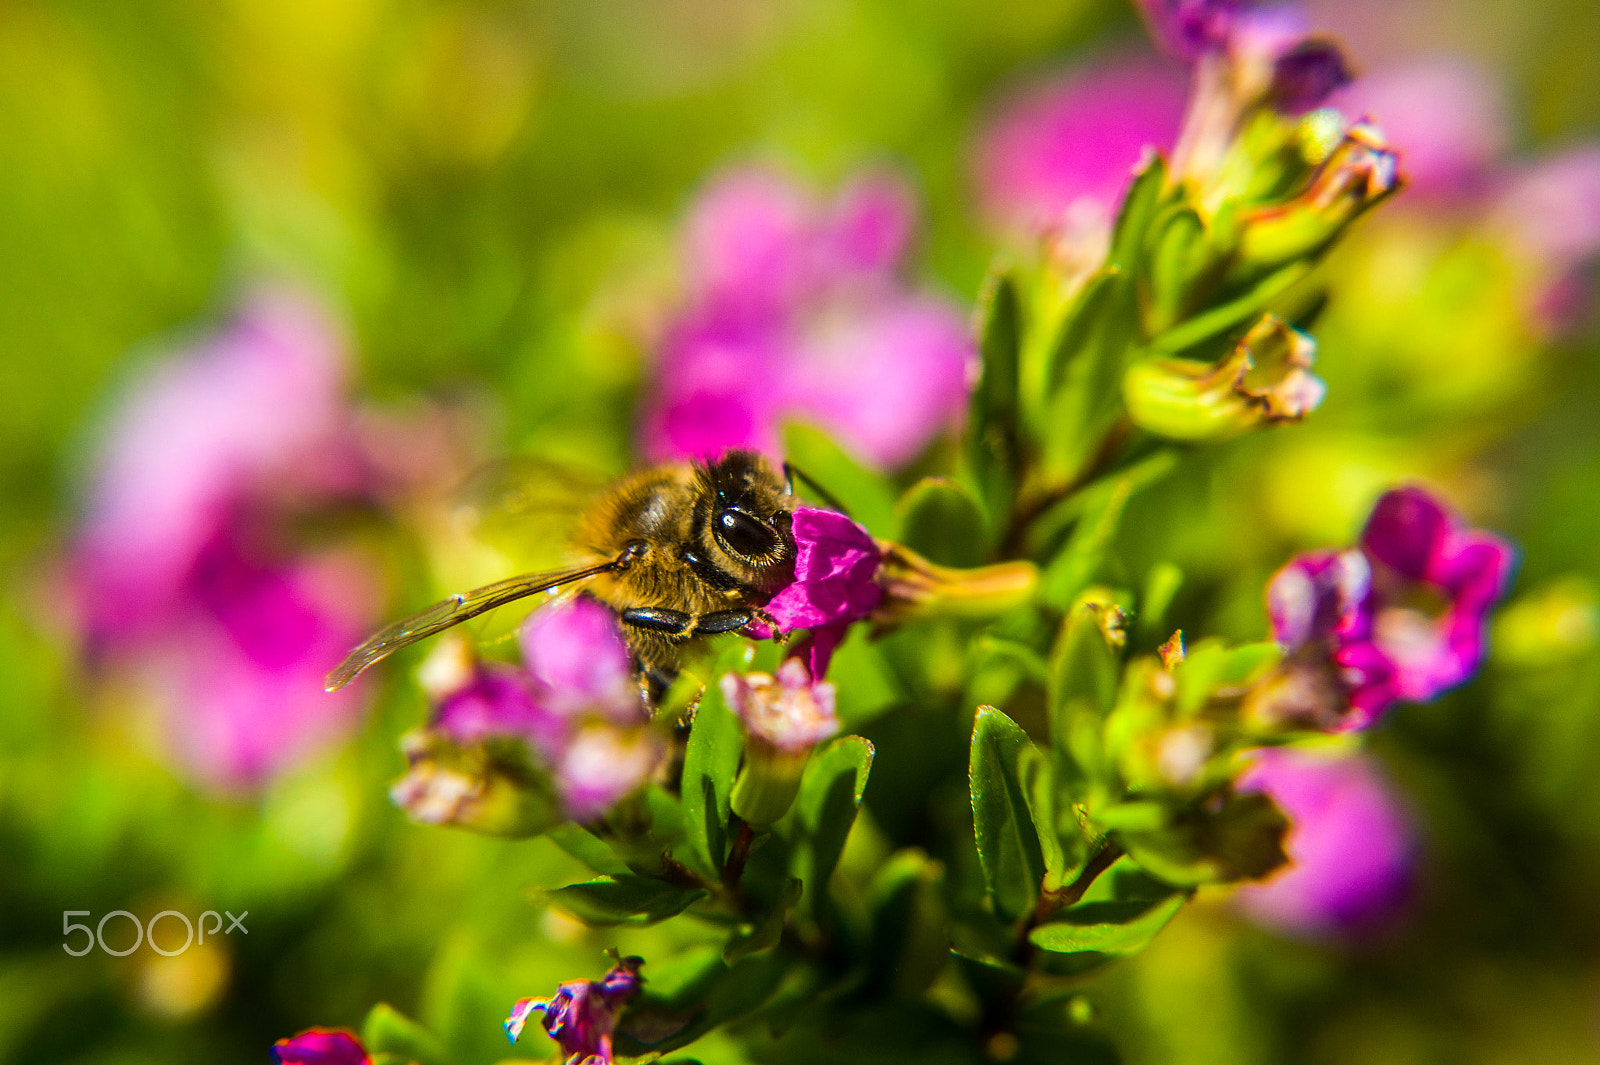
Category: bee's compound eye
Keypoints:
(744, 535)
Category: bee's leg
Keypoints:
(653, 684)
(676, 624)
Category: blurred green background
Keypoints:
(489, 193)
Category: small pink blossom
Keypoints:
(1404, 616)
(1434, 583)
(582, 1015)
(1352, 848)
(573, 702)
(1059, 154)
(320, 1046)
(788, 710)
(183, 572)
(1188, 29)
(796, 311)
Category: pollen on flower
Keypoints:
(787, 710)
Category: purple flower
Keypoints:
(182, 572)
(320, 1046)
(1404, 616)
(1351, 846)
(582, 1015)
(1058, 155)
(1270, 47)
(573, 702)
(1306, 73)
(835, 584)
(796, 311)
(254, 410)
(787, 711)
(1434, 583)
(1188, 29)
(1550, 213)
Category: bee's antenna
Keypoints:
(791, 472)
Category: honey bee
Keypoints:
(677, 551)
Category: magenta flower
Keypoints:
(796, 311)
(1352, 848)
(182, 574)
(1271, 48)
(1403, 616)
(1058, 155)
(835, 584)
(582, 1015)
(1550, 214)
(1434, 583)
(1188, 29)
(320, 1046)
(1332, 677)
(573, 702)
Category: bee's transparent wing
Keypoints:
(524, 509)
(449, 612)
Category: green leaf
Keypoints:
(1122, 910)
(684, 1001)
(1085, 666)
(625, 899)
(1084, 323)
(868, 497)
(1098, 511)
(993, 442)
(588, 849)
(1213, 669)
(710, 763)
(1139, 209)
(1179, 252)
(910, 941)
(764, 934)
(825, 810)
(1013, 813)
(388, 1031)
(1226, 316)
(1160, 588)
(1106, 927)
(995, 648)
(1086, 660)
(942, 521)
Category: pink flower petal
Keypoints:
(1351, 846)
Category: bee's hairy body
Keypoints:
(667, 513)
(676, 550)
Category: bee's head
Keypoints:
(744, 510)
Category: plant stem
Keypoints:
(1032, 508)
(738, 854)
(1053, 902)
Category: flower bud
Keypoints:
(1266, 379)
(784, 716)
(1360, 172)
(916, 588)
